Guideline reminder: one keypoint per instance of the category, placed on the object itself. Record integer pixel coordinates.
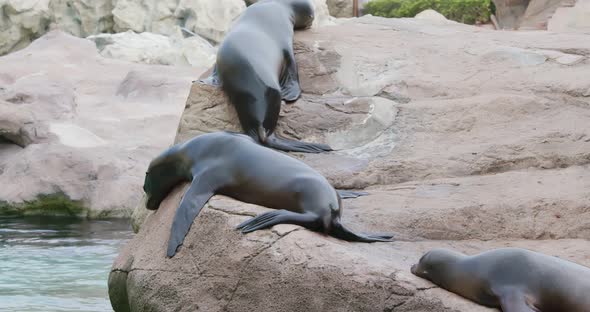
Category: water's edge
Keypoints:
(58, 263)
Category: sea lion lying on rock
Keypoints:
(513, 279)
(234, 165)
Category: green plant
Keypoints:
(464, 11)
(49, 205)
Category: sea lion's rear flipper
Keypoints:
(289, 79)
(513, 300)
(339, 231)
(213, 79)
(268, 219)
(344, 194)
(286, 145)
(202, 188)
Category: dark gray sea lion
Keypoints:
(513, 279)
(256, 69)
(234, 165)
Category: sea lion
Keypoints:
(234, 165)
(256, 69)
(513, 279)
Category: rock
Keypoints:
(340, 8)
(432, 15)
(538, 12)
(211, 18)
(510, 12)
(322, 14)
(14, 123)
(24, 21)
(156, 49)
(82, 18)
(468, 153)
(82, 128)
(573, 18)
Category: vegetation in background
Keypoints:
(49, 205)
(464, 11)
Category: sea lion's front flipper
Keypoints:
(513, 300)
(282, 144)
(344, 194)
(201, 190)
(268, 219)
(213, 79)
(339, 231)
(289, 79)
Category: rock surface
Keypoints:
(432, 15)
(21, 21)
(464, 137)
(572, 18)
(340, 8)
(555, 15)
(322, 14)
(208, 18)
(152, 48)
(81, 126)
(539, 12)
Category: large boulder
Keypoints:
(207, 18)
(469, 147)
(510, 12)
(21, 22)
(340, 8)
(78, 130)
(539, 12)
(153, 48)
(572, 18)
(322, 14)
(24, 21)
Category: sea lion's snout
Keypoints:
(414, 268)
(151, 203)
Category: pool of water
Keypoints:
(57, 264)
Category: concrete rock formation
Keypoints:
(322, 14)
(152, 48)
(467, 146)
(21, 21)
(554, 15)
(433, 16)
(575, 17)
(340, 8)
(79, 128)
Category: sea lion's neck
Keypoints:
(463, 279)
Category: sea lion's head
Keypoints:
(436, 265)
(163, 174)
(303, 13)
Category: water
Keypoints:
(57, 264)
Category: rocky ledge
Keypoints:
(77, 130)
(464, 137)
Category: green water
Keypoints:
(57, 264)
